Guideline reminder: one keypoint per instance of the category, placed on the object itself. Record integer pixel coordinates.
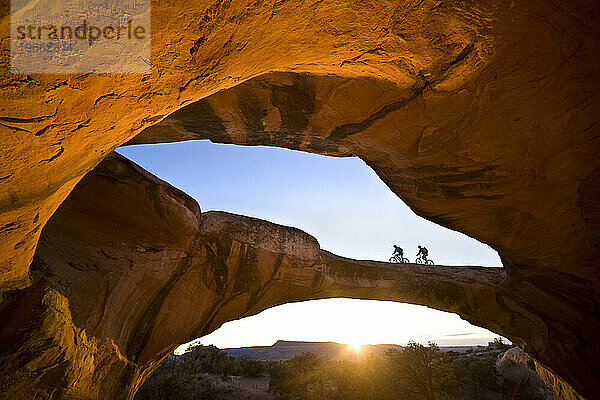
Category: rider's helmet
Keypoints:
(419, 247)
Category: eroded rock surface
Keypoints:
(537, 203)
(116, 289)
(524, 378)
(482, 116)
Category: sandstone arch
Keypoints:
(118, 289)
(485, 122)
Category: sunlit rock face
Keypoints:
(481, 116)
(455, 160)
(116, 289)
(523, 377)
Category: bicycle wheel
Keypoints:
(429, 262)
(393, 260)
(419, 261)
(405, 260)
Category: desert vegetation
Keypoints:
(416, 372)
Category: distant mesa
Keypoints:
(285, 350)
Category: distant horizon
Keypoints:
(324, 321)
(287, 346)
(341, 344)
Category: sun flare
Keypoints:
(356, 347)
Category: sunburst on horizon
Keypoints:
(355, 346)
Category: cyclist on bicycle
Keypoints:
(398, 252)
(423, 253)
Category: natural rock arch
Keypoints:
(117, 289)
(482, 117)
(444, 176)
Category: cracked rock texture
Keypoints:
(482, 116)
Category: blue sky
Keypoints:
(350, 211)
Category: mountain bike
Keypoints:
(398, 260)
(424, 260)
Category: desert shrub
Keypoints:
(415, 372)
(424, 372)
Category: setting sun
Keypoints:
(356, 347)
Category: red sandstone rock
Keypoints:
(116, 289)
(482, 117)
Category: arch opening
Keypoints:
(349, 210)
(347, 321)
(340, 201)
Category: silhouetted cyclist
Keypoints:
(398, 251)
(398, 256)
(423, 253)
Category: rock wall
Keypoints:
(524, 378)
(535, 202)
(482, 116)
